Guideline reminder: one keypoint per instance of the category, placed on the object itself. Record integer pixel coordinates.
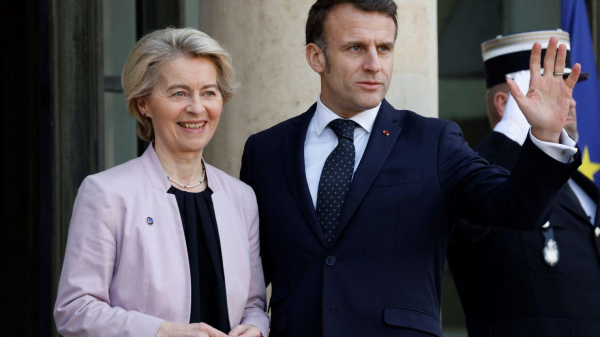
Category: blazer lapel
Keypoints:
(154, 169)
(293, 155)
(378, 150)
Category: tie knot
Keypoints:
(343, 128)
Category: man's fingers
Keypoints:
(535, 60)
(559, 67)
(574, 76)
(550, 56)
(515, 91)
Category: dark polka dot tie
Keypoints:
(336, 178)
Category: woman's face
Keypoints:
(185, 105)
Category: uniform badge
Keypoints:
(551, 254)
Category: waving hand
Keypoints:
(547, 102)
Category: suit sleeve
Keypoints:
(246, 176)
(484, 194)
(254, 312)
(83, 303)
(464, 232)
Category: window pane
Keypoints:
(120, 140)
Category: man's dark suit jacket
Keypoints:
(505, 286)
(382, 275)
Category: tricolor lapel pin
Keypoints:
(386, 133)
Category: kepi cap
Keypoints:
(507, 54)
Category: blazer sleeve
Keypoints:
(254, 312)
(484, 194)
(83, 305)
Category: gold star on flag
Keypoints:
(588, 167)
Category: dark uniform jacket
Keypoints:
(504, 283)
(382, 275)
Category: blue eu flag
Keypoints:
(587, 94)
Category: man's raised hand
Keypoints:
(547, 102)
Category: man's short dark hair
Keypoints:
(315, 25)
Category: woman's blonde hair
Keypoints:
(145, 62)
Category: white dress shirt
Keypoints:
(321, 140)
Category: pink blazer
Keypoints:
(124, 277)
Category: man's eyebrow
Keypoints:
(387, 44)
(352, 43)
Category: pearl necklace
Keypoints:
(190, 186)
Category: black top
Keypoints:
(209, 301)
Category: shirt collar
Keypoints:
(323, 116)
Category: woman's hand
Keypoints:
(168, 329)
(245, 330)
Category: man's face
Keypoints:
(571, 122)
(360, 46)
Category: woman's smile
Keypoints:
(193, 127)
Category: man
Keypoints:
(356, 199)
(544, 282)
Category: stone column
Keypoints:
(266, 39)
(75, 87)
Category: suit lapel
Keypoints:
(293, 155)
(378, 150)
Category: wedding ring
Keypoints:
(558, 74)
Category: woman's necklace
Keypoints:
(190, 186)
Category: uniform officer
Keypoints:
(544, 282)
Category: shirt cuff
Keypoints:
(563, 152)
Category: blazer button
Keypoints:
(330, 260)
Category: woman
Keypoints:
(165, 244)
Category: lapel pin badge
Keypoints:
(385, 132)
(150, 221)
